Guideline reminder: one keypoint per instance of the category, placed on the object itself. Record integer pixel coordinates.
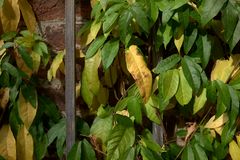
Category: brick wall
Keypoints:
(50, 16)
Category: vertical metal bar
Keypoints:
(70, 72)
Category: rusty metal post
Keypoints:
(70, 72)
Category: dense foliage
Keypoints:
(160, 80)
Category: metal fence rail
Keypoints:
(70, 71)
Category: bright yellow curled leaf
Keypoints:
(223, 69)
(234, 150)
(28, 15)
(178, 39)
(27, 112)
(25, 145)
(55, 65)
(7, 143)
(4, 97)
(139, 70)
(10, 15)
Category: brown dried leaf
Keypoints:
(4, 97)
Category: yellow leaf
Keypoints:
(219, 130)
(36, 61)
(28, 15)
(27, 112)
(24, 144)
(4, 97)
(123, 113)
(234, 150)
(238, 139)
(55, 65)
(178, 39)
(223, 69)
(216, 123)
(2, 51)
(10, 15)
(7, 143)
(138, 69)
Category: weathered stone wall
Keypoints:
(50, 16)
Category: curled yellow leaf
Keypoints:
(234, 150)
(139, 70)
(7, 143)
(216, 123)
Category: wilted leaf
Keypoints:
(234, 150)
(55, 65)
(184, 92)
(224, 68)
(27, 112)
(138, 69)
(7, 143)
(200, 101)
(10, 15)
(178, 39)
(28, 15)
(90, 81)
(25, 145)
(216, 123)
(4, 97)
(190, 130)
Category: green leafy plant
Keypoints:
(170, 63)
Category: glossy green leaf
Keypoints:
(101, 128)
(109, 52)
(234, 109)
(189, 40)
(229, 24)
(154, 10)
(184, 92)
(199, 153)
(134, 107)
(109, 22)
(95, 45)
(167, 35)
(124, 25)
(227, 134)
(167, 63)
(188, 153)
(151, 111)
(224, 98)
(191, 73)
(170, 83)
(209, 9)
(206, 50)
(114, 8)
(140, 16)
(120, 140)
(200, 101)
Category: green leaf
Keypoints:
(129, 154)
(167, 63)
(75, 152)
(10, 69)
(25, 56)
(184, 92)
(209, 9)
(120, 140)
(167, 34)
(87, 151)
(151, 111)
(135, 109)
(227, 134)
(148, 154)
(191, 73)
(204, 141)
(8, 35)
(200, 101)
(234, 109)
(101, 128)
(229, 24)
(140, 16)
(170, 84)
(109, 52)
(124, 25)
(30, 94)
(199, 152)
(109, 22)
(212, 91)
(122, 104)
(189, 40)
(178, 4)
(148, 141)
(206, 50)
(224, 99)
(114, 8)
(235, 38)
(188, 153)
(154, 10)
(95, 45)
